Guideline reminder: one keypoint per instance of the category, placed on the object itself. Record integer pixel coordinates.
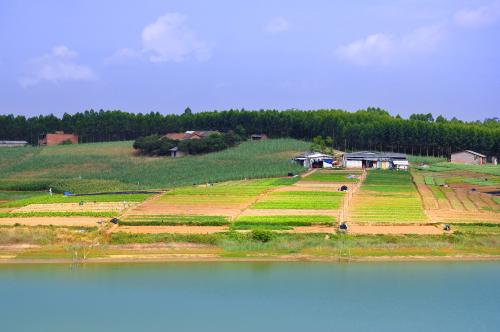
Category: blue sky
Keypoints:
(158, 55)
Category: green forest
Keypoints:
(369, 129)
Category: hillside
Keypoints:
(114, 166)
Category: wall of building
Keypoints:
(56, 139)
(353, 164)
(467, 158)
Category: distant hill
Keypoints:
(114, 166)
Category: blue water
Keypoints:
(251, 297)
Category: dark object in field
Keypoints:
(114, 221)
(343, 226)
(290, 174)
(447, 227)
(473, 189)
(343, 188)
(81, 203)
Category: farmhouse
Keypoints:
(57, 138)
(314, 160)
(382, 160)
(468, 157)
(190, 134)
(12, 144)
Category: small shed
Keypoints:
(258, 137)
(314, 160)
(174, 152)
(468, 157)
(58, 137)
(12, 144)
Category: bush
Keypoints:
(262, 235)
(156, 145)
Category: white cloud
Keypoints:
(276, 25)
(481, 16)
(123, 54)
(383, 49)
(169, 38)
(58, 66)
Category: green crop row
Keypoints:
(174, 220)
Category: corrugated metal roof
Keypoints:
(474, 152)
(376, 155)
(13, 142)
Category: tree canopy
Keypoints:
(370, 129)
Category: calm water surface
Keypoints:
(251, 297)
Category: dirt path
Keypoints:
(56, 221)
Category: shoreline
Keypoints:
(211, 258)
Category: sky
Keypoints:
(407, 57)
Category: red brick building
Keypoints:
(57, 138)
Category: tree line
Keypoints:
(369, 129)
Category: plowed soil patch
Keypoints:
(56, 221)
(395, 230)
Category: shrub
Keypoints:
(261, 235)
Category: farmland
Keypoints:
(245, 213)
(114, 166)
(456, 193)
(387, 197)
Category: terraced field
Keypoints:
(387, 197)
(449, 199)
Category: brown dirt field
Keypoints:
(475, 198)
(396, 229)
(451, 216)
(430, 202)
(464, 199)
(488, 200)
(454, 201)
(56, 221)
(287, 212)
(171, 229)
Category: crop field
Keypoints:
(449, 198)
(315, 200)
(220, 199)
(387, 196)
(481, 169)
(45, 198)
(248, 222)
(173, 220)
(113, 166)
(332, 176)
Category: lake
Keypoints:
(411, 296)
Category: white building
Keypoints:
(12, 144)
(314, 160)
(382, 160)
